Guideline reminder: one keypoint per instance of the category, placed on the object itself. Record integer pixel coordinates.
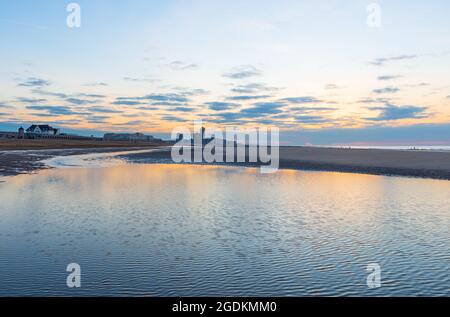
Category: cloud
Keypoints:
(179, 65)
(219, 106)
(80, 102)
(263, 108)
(374, 100)
(312, 109)
(4, 105)
(252, 88)
(388, 77)
(126, 102)
(391, 112)
(98, 119)
(168, 104)
(91, 95)
(140, 80)
(49, 93)
(56, 110)
(243, 72)
(332, 87)
(147, 108)
(173, 118)
(34, 82)
(301, 100)
(183, 109)
(247, 97)
(386, 90)
(310, 119)
(383, 60)
(30, 100)
(97, 84)
(104, 110)
(170, 97)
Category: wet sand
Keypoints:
(19, 161)
(411, 163)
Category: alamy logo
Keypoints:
(74, 18)
(74, 278)
(254, 145)
(374, 17)
(374, 278)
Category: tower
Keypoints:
(21, 134)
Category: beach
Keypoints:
(25, 156)
(410, 163)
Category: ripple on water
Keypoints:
(178, 231)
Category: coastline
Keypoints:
(16, 162)
(407, 163)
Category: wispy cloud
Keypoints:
(96, 84)
(179, 65)
(310, 119)
(332, 87)
(77, 101)
(374, 100)
(34, 82)
(391, 112)
(104, 110)
(386, 90)
(220, 106)
(247, 97)
(313, 109)
(30, 100)
(56, 110)
(263, 108)
(126, 103)
(253, 88)
(302, 100)
(383, 60)
(388, 77)
(49, 93)
(4, 105)
(243, 72)
(140, 80)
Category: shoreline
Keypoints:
(404, 163)
(17, 162)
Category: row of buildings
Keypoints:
(45, 131)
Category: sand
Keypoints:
(25, 156)
(15, 144)
(412, 163)
(417, 163)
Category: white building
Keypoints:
(43, 129)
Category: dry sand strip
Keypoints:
(414, 163)
(411, 163)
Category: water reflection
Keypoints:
(207, 230)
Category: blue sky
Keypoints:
(315, 69)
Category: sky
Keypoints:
(323, 71)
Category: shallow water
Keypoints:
(186, 230)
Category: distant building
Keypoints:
(21, 134)
(42, 130)
(130, 137)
